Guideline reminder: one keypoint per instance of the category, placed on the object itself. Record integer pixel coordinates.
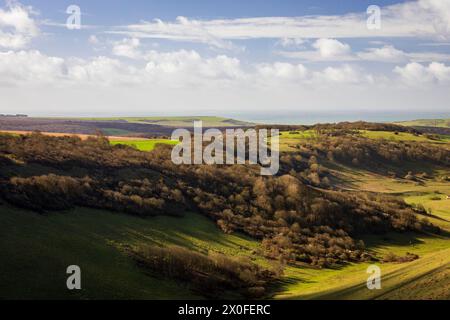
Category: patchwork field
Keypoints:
(147, 127)
(174, 121)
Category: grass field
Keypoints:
(39, 248)
(426, 278)
(431, 193)
(441, 123)
(290, 139)
(402, 136)
(144, 145)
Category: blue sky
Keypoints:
(118, 11)
(219, 57)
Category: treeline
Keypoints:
(294, 221)
(213, 275)
(343, 126)
(361, 152)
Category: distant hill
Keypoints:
(440, 123)
(126, 126)
(175, 121)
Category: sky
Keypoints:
(224, 57)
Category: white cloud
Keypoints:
(389, 53)
(24, 67)
(334, 50)
(386, 53)
(282, 71)
(185, 78)
(128, 48)
(291, 42)
(440, 71)
(177, 68)
(187, 67)
(101, 71)
(440, 10)
(17, 27)
(428, 56)
(93, 39)
(424, 18)
(187, 82)
(331, 48)
(416, 74)
(325, 50)
(344, 75)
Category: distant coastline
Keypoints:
(282, 117)
(333, 117)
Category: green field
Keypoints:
(425, 278)
(40, 247)
(402, 136)
(441, 123)
(144, 145)
(290, 139)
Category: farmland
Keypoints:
(403, 136)
(141, 127)
(208, 121)
(441, 123)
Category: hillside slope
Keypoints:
(40, 247)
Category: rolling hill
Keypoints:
(40, 245)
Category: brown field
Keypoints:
(81, 136)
